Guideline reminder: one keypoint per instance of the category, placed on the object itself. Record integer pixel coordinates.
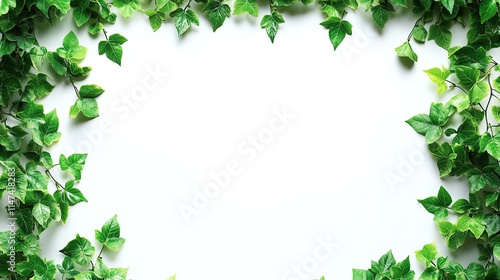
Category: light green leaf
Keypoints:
(90, 91)
(246, 6)
(127, 7)
(460, 102)
(478, 92)
(405, 50)
(427, 254)
(439, 76)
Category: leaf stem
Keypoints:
(58, 185)
(75, 87)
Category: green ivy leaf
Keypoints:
(337, 29)
(127, 7)
(5, 5)
(80, 250)
(73, 164)
(62, 5)
(67, 269)
(475, 225)
(271, 24)
(380, 15)
(113, 48)
(41, 213)
(448, 4)
(441, 35)
(109, 235)
(246, 6)
(90, 91)
(460, 101)
(156, 19)
(184, 19)
(487, 9)
(32, 115)
(439, 77)
(72, 195)
(38, 86)
(47, 134)
(405, 50)
(217, 13)
(427, 254)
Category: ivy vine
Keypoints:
(462, 134)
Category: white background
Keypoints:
(323, 177)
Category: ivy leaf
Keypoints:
(493, 147)
(21, 182)
(271, 24)
(492, 223)
(460, 102)
(156, 19)
(448, 4)
(455, 239)
(72, 195)
(380, 15)
(475, 225)
(427, 254)
(90, 91)
(439, 76)
(87, 106)
(478, 92)
(47, 134)
(217, 13)
(444, 155)
(479, 179)
(67, 269)
(80, 250)
(467, 75)
(183, 20)
(165, 6)
(440, 35)
(73, 164)
(472, 57)
(5, 5)
(487, 9)
(38, 86)
(127, 7)
(57, 63)
(109, 235)
(71, 48)
(41, 213)
(81, 15)
(405, 50)
(420, 34)
(360, 274)
(113, 48)
(62, 5)
(246, 6)
(337, 29)
(32, 115)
